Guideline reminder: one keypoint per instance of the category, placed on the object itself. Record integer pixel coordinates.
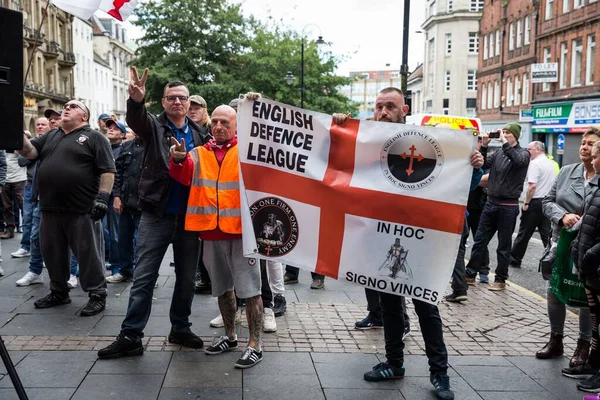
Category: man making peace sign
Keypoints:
(163, 202)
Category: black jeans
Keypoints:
(431, 329)
(473, 218)
(204, 277)
(374, 306)
(494, 218)
(293, 272)
(530, 219)
(129, 222)
(459, 284)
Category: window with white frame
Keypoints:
(447, 81)
(471, 107)
(590, 60)
(578, 4)
(517, 90)
(483, 96)
(496, 94)
(449, 9)
(509, 92)
(490, 95)
(485, 46)
(527, 37)
(431, 49)
(549, 9)
(498, 38)
(476, 5)
(519, 33)
(431, 9)
(473, 42)
(576, 61)
(566, 5)
(471, 80)
(546, 59)
(525, 97)
(511, 36)
(564, 54)
(492, 44)
(431, 80)
(448, 44)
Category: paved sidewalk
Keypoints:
(316, 352)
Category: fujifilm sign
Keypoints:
(544, 73)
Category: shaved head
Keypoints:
(223, 124)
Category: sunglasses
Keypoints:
(171, 99)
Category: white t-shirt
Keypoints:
(541, 172)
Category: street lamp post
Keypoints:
(318, 42)
(404, 66)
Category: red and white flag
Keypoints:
(84, 9)
(376, 204)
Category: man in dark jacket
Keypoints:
(163, 203)
(125, 205)
(508, 168)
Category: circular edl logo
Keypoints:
(411, 160)
(275, 226)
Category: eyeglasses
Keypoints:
(171, 99)
(73, 106)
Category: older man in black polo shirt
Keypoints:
(75, 176)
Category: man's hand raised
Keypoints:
(178, 151)
(137, 85)
(340, 119)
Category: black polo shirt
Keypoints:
(70, 168)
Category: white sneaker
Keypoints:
(116, 278)
(72, 282)
(269, 324)
(30, 279)
(21, 253)
(218, 321)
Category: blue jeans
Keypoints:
(27, 218)
(502, 219)
(110, 223)
(36, 262)
(128, 238)
(74, 266)
(155, 234)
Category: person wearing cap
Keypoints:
(54, 118)
(507, 171)
(115, 132)
(198, 112)
(234, 104)
(102, 118)
(75, 177)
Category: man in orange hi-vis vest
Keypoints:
(214, 210)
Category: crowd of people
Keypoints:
(102, 207)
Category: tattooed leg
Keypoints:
(254, 314)
(227, 306)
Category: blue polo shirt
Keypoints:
(177, 203)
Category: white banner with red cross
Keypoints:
(377, 204)
(84, 9)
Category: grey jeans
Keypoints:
(557, 313)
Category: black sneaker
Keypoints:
(583, 371)
(250, 357)
(279, 305)
(95, 304)
(53, 299)
(187, 339)
(590, 385)
(441, 383)
(287, 279)
(369, 322)
(203, 287)
(384, 371)
(124, 346)
(223, 345)
(456, 297)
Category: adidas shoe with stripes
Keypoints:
(384, 371)
(223, 345)
(250, 357)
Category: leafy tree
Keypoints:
(219, 54)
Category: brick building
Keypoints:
(567, 32)
(507, 49)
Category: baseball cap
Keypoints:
(121, 125)
(234, 103)
(198, 100)
(103, 117)
(50, 111)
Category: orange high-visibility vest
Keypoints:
(215, 192)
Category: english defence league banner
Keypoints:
(377, 204)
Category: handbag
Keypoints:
(564, 282)
(547, 260)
